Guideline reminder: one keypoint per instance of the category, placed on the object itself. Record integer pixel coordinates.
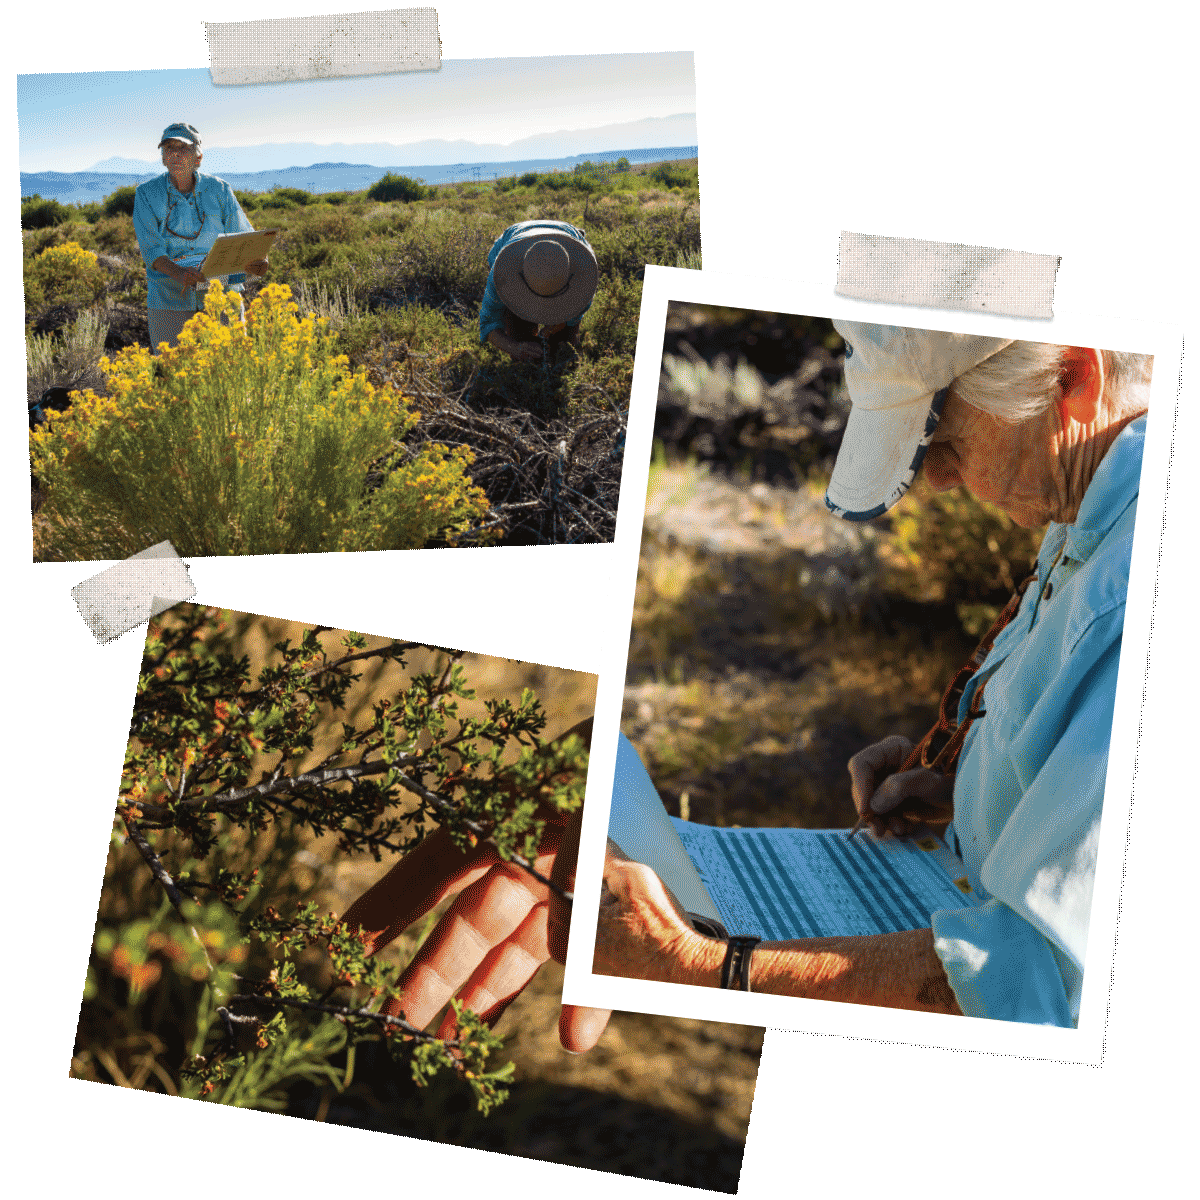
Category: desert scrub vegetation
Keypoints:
(400, 281)
(244, 439)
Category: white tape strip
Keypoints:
(129, 594)
(319, 47)
(946, 275)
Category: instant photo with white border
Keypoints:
(1081, 1044)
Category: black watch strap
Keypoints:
(735, 971)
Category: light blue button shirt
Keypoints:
(162, 215)
(1030, 781)
(491, 312)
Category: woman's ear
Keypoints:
(1082, 381)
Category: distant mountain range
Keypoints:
(83, 187)
(677, 130)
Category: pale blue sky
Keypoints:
(68, 122)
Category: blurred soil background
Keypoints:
(659, 1098)
(771, 641)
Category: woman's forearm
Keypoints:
(893, 970)
(166, 266)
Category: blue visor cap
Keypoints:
(181, 132)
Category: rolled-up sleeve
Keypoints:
(147, 227)
(491, 311)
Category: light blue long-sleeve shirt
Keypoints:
(1030, 781)
(491, 312)
(161, 214)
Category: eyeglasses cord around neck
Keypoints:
(187, 237)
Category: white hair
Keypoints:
(1022, 380)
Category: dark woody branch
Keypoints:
(291, 784)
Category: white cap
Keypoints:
(898, 380)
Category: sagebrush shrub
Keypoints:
(396, 187)
(612, 319)
(70, 360)
(244, 439)
(116, 236)
(37, 213)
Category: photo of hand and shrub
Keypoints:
(307, 820)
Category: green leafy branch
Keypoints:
(201, 730)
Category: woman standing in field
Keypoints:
(542, 273)
(177, 217)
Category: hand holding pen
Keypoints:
(894, 794)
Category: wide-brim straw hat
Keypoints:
(545, 276)
(898, 380)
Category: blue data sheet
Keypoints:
(796, 883)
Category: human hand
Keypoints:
(889, 800)
(259, 266)
(642, 932)
(491, 941)
(188, 277)
(525, 351)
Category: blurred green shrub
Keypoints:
(295, 195)
(37, 213)
(948, 547)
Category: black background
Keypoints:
(802, 135)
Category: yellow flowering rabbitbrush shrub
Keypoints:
(244, 439)
(61, 275)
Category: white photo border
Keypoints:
(1084, 1044)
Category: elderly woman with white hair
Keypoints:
(1049, 434)
(177, 217)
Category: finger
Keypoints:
(918, 784)
(579, 1028)
(563, 876)
(483, 916)
(867, 765)
(503, 973)
(416, 884)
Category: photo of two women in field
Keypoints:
(410, 366)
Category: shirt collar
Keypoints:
(172, 188)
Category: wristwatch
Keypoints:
(735, 971)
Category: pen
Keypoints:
(861, 823)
